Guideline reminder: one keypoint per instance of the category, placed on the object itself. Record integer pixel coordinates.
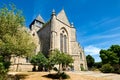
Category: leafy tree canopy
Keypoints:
(39, 59)
(90, 61)
(111, 59)
(61, 59)
(14, 37)
(109, 56)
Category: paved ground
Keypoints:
(81, 75)
(108, 76)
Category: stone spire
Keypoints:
(53, 13)
(72, 24)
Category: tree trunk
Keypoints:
(34, 68)
(60, 68)
(49, 70)
(18, 64)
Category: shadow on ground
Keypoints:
(17, 76)
(57, 76)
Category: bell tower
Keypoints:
(35, 26)
(37, 23)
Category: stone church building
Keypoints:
(59, 34)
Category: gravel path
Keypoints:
(81, 75)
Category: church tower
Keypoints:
(35, 26)
(37, 23)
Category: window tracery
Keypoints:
(63, 41)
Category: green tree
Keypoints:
(33, 61)
(24, 46)
(90, 61)
(14, 38)
(98, 65)
(61, 59)
(115, 49)
(67, 59)
(39, 60)
(51, 62)
(111, 56)
(107, 68)
(4, 65)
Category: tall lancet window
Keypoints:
(63, 41)
(65, 44)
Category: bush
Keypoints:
(116, 68)
(82, 68)
(64, 75)
(4, 65)
(107, 68)
(98, 64)
(3, 72)
(58, 76)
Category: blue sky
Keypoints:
(97, 22)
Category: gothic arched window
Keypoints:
(63, 41)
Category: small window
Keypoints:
(81, 56)
(33, 34)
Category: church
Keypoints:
(58, 33)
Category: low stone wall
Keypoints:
(21, 67)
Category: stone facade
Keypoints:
(59, 34)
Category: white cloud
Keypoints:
(92, 50)
(101, 37)
(106, 36)
(112, 30)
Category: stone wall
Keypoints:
(22, 67)
(44, 36)
(21, 63)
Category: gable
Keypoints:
(62, 17)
